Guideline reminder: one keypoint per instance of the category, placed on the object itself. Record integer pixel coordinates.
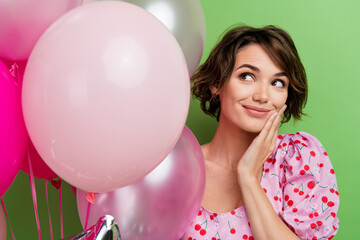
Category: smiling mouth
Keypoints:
(255, 111)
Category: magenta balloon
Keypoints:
(13, 136)
(105, 95)
(23, 22)
(163, 203)
(39, 167)
(2, 224)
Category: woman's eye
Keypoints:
(246, 77)
(278, 83)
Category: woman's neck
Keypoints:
(228, 145)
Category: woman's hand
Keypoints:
(251, 163)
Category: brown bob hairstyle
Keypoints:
(218, 67)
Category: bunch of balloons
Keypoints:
(98, 94)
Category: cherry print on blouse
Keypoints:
(285, 179)
(316, 225)
(288, 201)
(332, 214)
(313, 213)
(198, 227)
(297, 221)
(265, 171)
(271, 160)
(320, 165)
(312, 154)
(284, 148)
(333, 190)
(328, 204)
(247, 237)
(276, 197)
(234, 213)
(300, 145)
(306, 171)
(308, 198)
(216, 237)
(324, 152)
(232, 230)
(214, 217)
(312, 184)
(299, 190)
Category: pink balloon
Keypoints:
(39, 167)
(13, 136)
(23, 22)
(2, 224)
(163, 203)
(105, 95)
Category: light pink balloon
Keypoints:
(2, 224)
(39, 167)
(105, 95)
(163, 203)
(13, 135)
(23, 22)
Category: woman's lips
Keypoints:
(255, 111)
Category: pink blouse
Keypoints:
(300, 183)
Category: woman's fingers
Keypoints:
(276, 124)
(268, 125)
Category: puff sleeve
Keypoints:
(311, 198)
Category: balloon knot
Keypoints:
(56, 183)
(90, 196)
(14, 70)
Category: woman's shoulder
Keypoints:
(302, 138)
(300, 143)
(309, 186)
(300, 152)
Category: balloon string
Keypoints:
(33, 192)
(47, 203)
(87, 215)
(61, 214)
(7, 218)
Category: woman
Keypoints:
(260, 185)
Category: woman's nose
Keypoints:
(261, 94)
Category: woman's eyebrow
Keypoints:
(249, 66)
(280, 74)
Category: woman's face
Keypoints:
(255, 90)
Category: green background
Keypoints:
(326, 34)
